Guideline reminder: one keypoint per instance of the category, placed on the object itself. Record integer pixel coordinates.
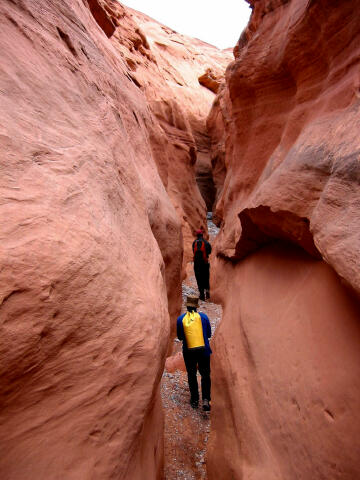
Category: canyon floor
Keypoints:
(186, 430)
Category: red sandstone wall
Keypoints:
(99, 138)
(166, 66)
(89, 239)
(286, 370)
(285, 139)
(291, 125)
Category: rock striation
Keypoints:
(285, 148)
(97, 193)
(167, 66)
(89, 239)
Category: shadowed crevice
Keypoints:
(102, 17)
(262, 226)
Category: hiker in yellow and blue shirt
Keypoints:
(194, 330)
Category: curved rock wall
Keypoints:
(292, 121)
(102, 122)
(285, 141)
(89, 239)
(286, 368)
(167, 66)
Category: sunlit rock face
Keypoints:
(285, 148)
(89, 238)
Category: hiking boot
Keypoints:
(207, 294)
(194, 403)
(206, 405)
(202, 296)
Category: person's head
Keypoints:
(199, 233)
(192, 303)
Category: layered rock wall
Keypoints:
(291, 94)
(90, 242)
(285, 148)
(167, 67)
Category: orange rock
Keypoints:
(103, 120)
(285, 139)
(169, 74)
(285, 371)
(283, 130)
(175, 362)
(90, 243)
(210, 80)
(103, 14)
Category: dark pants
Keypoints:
(202, 275)
(195, 359)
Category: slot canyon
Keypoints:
(119, 139)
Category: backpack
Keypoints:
(193, 330)
(199, 250)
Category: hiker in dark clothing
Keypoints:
(201, 250)
(194, 330)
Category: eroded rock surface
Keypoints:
(84, 312)
(291, 120)
(166, 66)
(285, 145)
(99, 139)
(285, 371)
(90, 243)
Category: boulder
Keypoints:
(210, 80)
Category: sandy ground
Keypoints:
(186, 429)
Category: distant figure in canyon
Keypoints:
(201, 250)
(194, 330)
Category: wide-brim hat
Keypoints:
(192, 301)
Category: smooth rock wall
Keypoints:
(286, 370)
(86, 230)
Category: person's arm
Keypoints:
(207, 325)
(179, 329)
(208, 248)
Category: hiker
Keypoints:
(194, 330)
(201, 250)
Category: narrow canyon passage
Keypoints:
(100, 135)
(117, 135)
(186, 430)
